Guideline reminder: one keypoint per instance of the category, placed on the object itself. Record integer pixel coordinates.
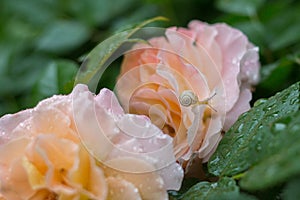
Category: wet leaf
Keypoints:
(248, 140)
(101, 56)
(225, 188)
(284, 161)
(185, 186)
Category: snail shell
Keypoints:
(188, 98)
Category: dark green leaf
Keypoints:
(185, 186)
(66, 74)
(291, 191)
(57, 78)
(144, 12)
(240, 7)
(254, 30)
(101, 56)
(278, 75)
(8, 105)
(284, 27)
(248, 140)
(22, 74)
(32, 11)
(47, 85)
(100, 11)
(284, 161)
(273, 75)
(62, 36)
(224, 189)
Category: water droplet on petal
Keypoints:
(116, 130)
(2, 133)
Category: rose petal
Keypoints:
(150, 185)
(120, 189)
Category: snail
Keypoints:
(188, 98)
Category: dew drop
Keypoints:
(258, 147)
(268, 108)
(214, 185)
(259, 102)
(279, 127)
(116, 130)
(109, 110)
(2, 133)
(240, 128)
(234, 61)
(294, 101)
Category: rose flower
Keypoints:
(193, 83)
(47, 152)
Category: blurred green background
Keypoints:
(42, 42)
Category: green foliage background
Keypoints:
(42, 43)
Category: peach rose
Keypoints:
(42, 155)
(192, 83)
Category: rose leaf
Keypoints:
(225, 188)
(283, 163)
(253, 137)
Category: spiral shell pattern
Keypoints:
(188, 98)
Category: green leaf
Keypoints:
(66, 74)
(291, 191)
(8, 105)
(284, 27)
(225, 188)
(240, 7)
(187, 183)
(62, 36)
(254, 30)
(101, 56)
(248, 140)
(36, 12)
(55, 79)
(278, 75)
(98, 12)
(47, 85)
(143, 12)
(21, 73)
(284, 161)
